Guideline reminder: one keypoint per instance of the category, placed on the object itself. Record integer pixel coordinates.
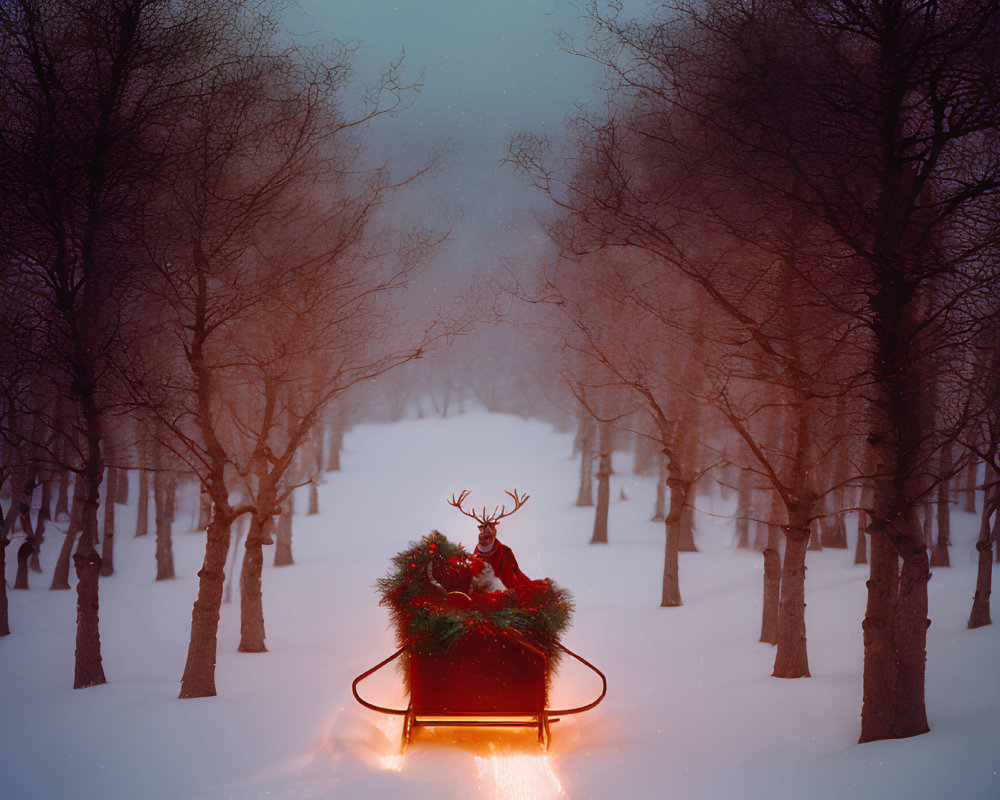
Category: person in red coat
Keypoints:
(499, 556)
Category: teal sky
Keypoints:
(490, 69)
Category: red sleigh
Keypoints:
(484, 680)
(484, 659)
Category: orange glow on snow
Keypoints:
(391, 759)
(518, 776)
(391, 763)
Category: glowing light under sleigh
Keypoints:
(473, 658)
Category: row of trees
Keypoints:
(195, 263)
(780, 241)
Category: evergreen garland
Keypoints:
(431, 607)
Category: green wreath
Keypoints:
(431, 606)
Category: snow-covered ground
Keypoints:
(691, 711)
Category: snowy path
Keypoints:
(690, 713)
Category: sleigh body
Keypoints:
(470, 657)
(483, 680)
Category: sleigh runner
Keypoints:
(515, 694)
(471, 658)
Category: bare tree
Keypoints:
(982, 439)
(83, 87)
(270, 272)
(642, 360)
(878, 123)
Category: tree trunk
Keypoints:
(687, 544)
(108, 551)
(6, 529)
(199, 669)
(911, 642)
(585, 438)
(645, 455)
(60, 575)
(682, 455)
(336, 445)
(834, 528)
(840, 532)
(939, 556)
(678, 488)
(23, 555)
(313, 509)
(4, 603)
(602, 509)
(239, 529)
(204, 509)
(827, 530)
(27, 549)
(895, 632)
(283, 541)
(879, 676)
(815, 536)
(62, 496)
(761, 531)
(772, 577)
(861, 545)
(743, 510)
(251, 597)
(121, 493)
(142, 505)
(969, 487)
(89, 664)
(44, 515)
(89, 669)
(980, 614)
(791, 659)
(660, 509)
(164, 488)
(928, 513)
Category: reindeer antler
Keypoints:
(458, 504)
(518, 502)
(498, 513)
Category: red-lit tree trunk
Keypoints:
(772, 576)
(313, 509)
(939, 555)
(122, 493)
(23, 556)
(89, 668)
(660, 505)
(142, 503)
(164, 490)
(585, 441)
(895, 623)
(4, 603)
(62, 494)
(108, 545)
(988, 526)
(678, 490)
(44, 516)
(861, 543)
(198, 679)
(335, 435)
(603, 507)
(792, 658)
(251, 596)
(743, 510)
(313, 455)
(204, 509)
(968, 489)
(283, 539)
